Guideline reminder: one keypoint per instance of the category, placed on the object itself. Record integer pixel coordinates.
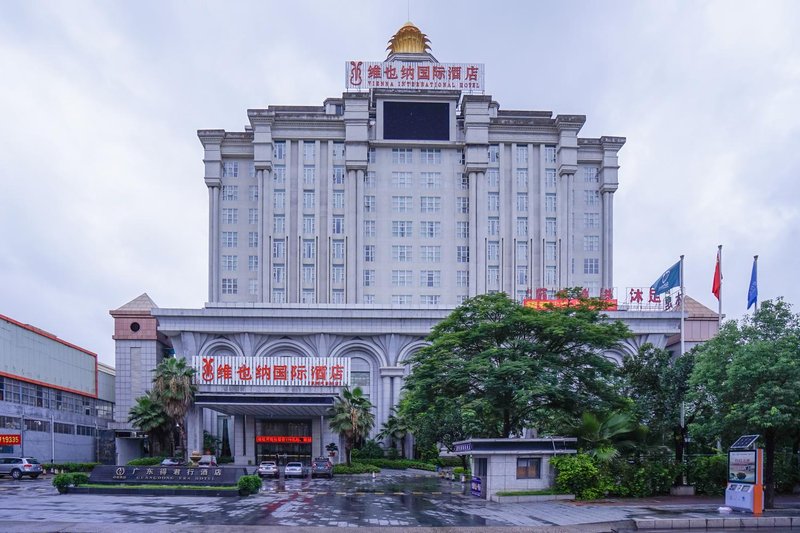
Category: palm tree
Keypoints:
(149, 417)
(174, 388)
(396, 429)
(604, 438)
(352, 418)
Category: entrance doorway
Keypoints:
(283, 441)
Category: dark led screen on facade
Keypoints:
(416, 121)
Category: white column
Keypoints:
(608, 240)
(397, 384)
(213, 249)
(194, 430)
(386, 401)
(474, 287)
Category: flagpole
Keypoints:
(755, 258)
(683, 306)
(719, 251)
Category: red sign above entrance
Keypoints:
(14, 439)
(274, 439)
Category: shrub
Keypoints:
(356, 468)
(709, 474)
(461, 470)
(647, 477)
(80, 478)
(249, 485)
(579, 475)
(146, 461)
(61, 482)
(370, 450)
(448, 462)
(787, 473)
(71, 467)
(398, 464)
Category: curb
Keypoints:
(718, 523)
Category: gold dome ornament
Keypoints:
(409, 40)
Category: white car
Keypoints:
(268, 469)
(293, 469)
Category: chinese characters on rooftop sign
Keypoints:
(275, 371)
(634, 299)
(366, 75)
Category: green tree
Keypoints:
(352, 418)
(395, 429)
(148, 416)
(747, 380)
(499, 367)
(174, 389)
(605, 437)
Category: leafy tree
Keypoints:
(352, 418)
(395, 429)
(174, 388)
(148, 416)
(604, 437)
(748, 380)
(494, 367)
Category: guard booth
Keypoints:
(745, 490)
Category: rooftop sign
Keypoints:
(366, 75)
(274, 371)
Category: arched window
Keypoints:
(360, 375)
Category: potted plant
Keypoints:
(332, 449)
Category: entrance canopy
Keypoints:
(267, 406)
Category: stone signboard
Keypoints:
(166, 475)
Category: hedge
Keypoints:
(70, 467)
(356, 468)
(398, 464)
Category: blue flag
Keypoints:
(669, 279)
(752, 292)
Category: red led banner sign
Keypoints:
(273, 439)
(11, 440)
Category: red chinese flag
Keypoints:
(716, 285)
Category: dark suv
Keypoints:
(321, 466)
(17, 467)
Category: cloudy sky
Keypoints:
(102, 181)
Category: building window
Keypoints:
(369, 180)
(278, 296)
(430, 254)
(522, 154)
(550, 155)
(279, 274)
(278, 224)
(430, 229)
(401, 253)
(493, 199)
(253, 287)
(591, 220)
(337, 296)
(462, 278)
(522, 251)
(522, 201)
(369, 204)
(401, 155)
(461, 298)
(369, 278)
(401, 204)
(230, 192)
(230, 263)
(550, 251)
(493, 276)
(550, 178)
(462, 158)
(590, 175)
(278, 250)
(308, 199)
(430, 180)
(401, 180)
(522, 227)
(462, 205)
(252, 239)
(309, 151)
(493, 177)
(230, 286)
(369, 228)
(430, 204)
(338, 224)
(279, 150)
(279, 176)
(371, 156)
(309, 224)
(529, 467)
(338, 249)
(522, 179)
(309, 250)
(338, 150)
(401, 299)
(230, 215)
(309, 175)
(522, 275)
(230, 239)
(430, 278)
(252, 263)
(591, 266)
(402, 278)
(338, 176)
(591, 198)
(462, 254)
(430, 299)
(308, 296)
(369, 298)
(309, 274)
(591, 243)
(550, 227)
(493, 228)
(401, 228)
(550, 202)
(550, 275)
(369, 253)
(463, 181)
(230, 169)
(279, 200)
(462, 230)
(493, 250)
(430, 156)
(252, 193)
(494, 153)
(252, 216)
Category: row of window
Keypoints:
(309, 150)
(20, 392)
(522, 154)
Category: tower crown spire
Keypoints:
(409, 40)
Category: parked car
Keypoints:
(321, 466)
(17, 467)
(294, 468)
(207, 460)
(172, 461)
(268, 469)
